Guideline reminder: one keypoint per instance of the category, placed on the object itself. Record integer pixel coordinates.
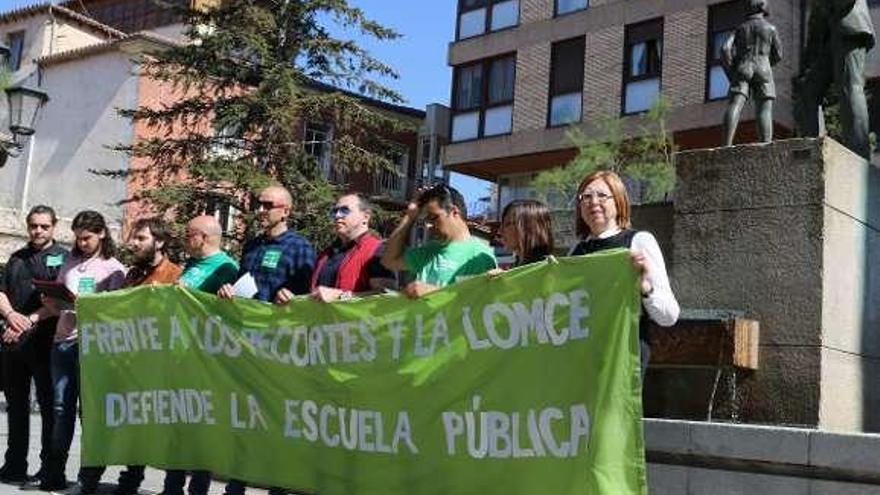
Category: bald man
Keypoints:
(279, 258)
(208, 267)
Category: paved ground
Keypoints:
(152, 482)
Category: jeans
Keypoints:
(175, 479)
(21, 363)
(65, 382)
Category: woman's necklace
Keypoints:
(83, 266)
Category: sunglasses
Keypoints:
(339, 211)
(266, 205)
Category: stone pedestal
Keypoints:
(789, 232)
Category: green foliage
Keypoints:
(644, 156)
(254, 73)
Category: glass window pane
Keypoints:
(565, 109)
(567, 66)
(469, 87)
(645, 58)
(498, 120)
(15, 42)
(566, 6)
(465, 126)
(718, 40)
(505, 14)
(641, 95)
(638, 59)
(501, 74)
(718, 83)
(472, 23)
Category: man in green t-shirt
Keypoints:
(451, 255)
(208, 267)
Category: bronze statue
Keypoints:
(839, 37)
(748, 58)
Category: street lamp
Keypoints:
(24, 107)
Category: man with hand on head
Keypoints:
(451, 255)
(352, 264)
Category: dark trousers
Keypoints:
(21, 363)
(129, 480)
(175, 479)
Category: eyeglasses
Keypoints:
(339, 211)
(266, 205)
(599, 196)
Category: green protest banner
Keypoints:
(525, 383)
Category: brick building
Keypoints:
(524, 70)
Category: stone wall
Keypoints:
(690, 458)
(789, 233)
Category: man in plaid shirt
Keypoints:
(278, 259)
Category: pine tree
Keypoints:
(644, 158)
(252, 73)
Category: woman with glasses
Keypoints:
(527, 231)
(603, 222)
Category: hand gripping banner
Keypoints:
(523, 383)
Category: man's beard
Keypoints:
(145, 258)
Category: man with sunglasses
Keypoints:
(27, 346)
(451, 255)
(278, 259)
(352, 264)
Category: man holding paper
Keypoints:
(279, 259)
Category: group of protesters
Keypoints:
(40, 338)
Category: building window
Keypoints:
(567, 6)
(317, 145)
(642, 65)
(723, 20)
(566, 81)
(476, 17)
(483, 98)
(15, 42)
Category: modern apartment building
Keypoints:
(525, 70)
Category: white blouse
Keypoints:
(661, 305)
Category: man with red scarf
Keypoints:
(351, 265)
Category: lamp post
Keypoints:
(24, 104)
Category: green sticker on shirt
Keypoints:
(271, 258)
(54, 260)
(86, 286)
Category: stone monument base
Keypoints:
(788, 233)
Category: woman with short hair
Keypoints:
(603, 222)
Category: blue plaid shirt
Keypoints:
(286, 261)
